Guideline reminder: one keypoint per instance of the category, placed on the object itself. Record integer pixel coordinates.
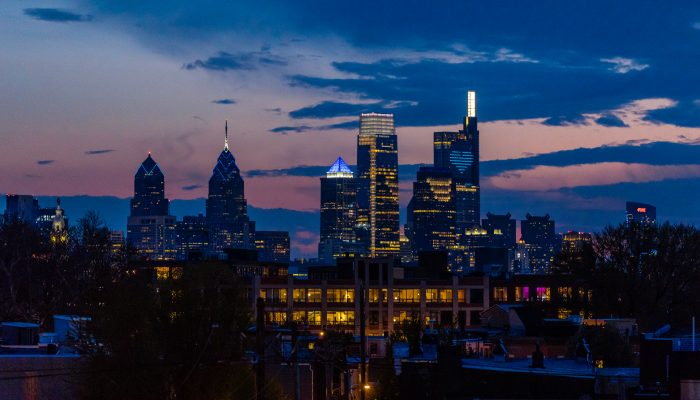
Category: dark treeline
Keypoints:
(647, 272)
(186, 337)
(183, 337)
(40, 277)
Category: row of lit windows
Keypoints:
(375, 295)
(523, 293)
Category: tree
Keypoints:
(606, 344)
(647, 272)
(173, 338)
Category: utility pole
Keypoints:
(295, 362)
(260, 333)
(363, 342)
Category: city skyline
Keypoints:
(572, 128)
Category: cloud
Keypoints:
(191, 187)
(565, 120)
(331, 109)
(287, 129)
(55, 15)
(655, 153)
(45, 162)
(611, 120)
(100, 151)
(507, 55)
(224, 101)
(305, 128)
(685, 112)
(545, 178)
(246, 61)
(222, 61)
(32, 176)
(623, 65)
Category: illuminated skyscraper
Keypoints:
(338, 213)
(431, 220)
(539, 236)
(272, 246)
(150, 228)
(459, 152)
(227, 209)
(192, 237)
(640, 213)
(378, 184)
(149, 190)
(574, 242)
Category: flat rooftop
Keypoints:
(552, 367)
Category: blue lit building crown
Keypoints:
(339, 169)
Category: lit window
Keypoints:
(543, 294)
(522, 293)
(500, 293)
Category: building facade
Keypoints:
(150, 228)
(538, 234)
(331, 299)
(338, 226)
(501, 230)
(431, 211)
(192, 237)
(272, 246)
(22, 207)
(459, 152)
(226, 207)
(640, 213)
(378, 184)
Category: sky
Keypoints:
(581, 104)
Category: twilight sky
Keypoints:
(582, 104)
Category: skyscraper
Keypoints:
(538, 234)
(192, 237)
(226, 207)
(432, 211)
(272, 246)
(501, 230)
(378, 184)
(640, 213)
(21, 206)
(338, 213)
(459, 152)
(150, 228)
(149, 190)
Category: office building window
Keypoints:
(500, 293)
(340, 295)
(407, 295)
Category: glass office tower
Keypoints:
(378, 184)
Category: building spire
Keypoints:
(226, 136)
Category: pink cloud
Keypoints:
(544, 178)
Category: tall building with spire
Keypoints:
(338, 213)
(150, 227)
(459, 152)
(59, 228)
(226, 207)
(378, 184)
